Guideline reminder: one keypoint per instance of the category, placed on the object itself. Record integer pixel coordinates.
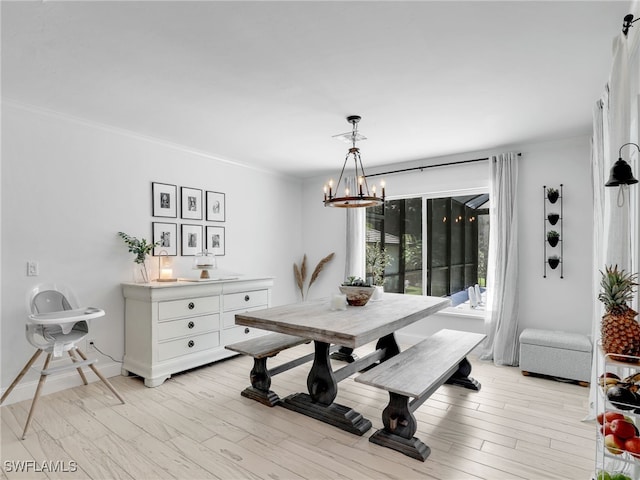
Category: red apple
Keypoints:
(606, 429)
(623, 429)
(609, 416)
(614, 444)
(632, 445)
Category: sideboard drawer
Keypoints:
(229, 318)
(188, 326)
(236, 301)
(187, 345)
(188, 307)
(240, 333)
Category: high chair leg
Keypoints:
(20, 375)
(101, 377)
(74, 359)
(43, 378)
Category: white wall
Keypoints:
(551, 303)
(68, 187)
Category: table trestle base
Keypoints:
(334, 414)
(266, 397)
(412, 447)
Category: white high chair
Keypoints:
(55, 325)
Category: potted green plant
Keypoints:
(377, 259)
(141, 248)
(358, 291)
(553, 194)
(553, 261)
(553, 238)
(553, 218)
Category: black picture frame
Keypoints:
(191, 203)
(167, 234)
(191, 240)
(216, 207)
(216, 240)
(164, 200)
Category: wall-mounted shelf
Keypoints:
(553, 241)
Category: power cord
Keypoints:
(92, 343)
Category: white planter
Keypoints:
(377, 294)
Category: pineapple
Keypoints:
(620, 331)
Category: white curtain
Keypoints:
(355, 261)
(501, 319)
(599, 173)
(613, 222)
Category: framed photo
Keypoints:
(215, 240)
(191, 203)
(216, 207)
(167, 235)
(191, 240)
(164, 200)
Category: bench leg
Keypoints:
(461, 377)
(260, 383)
(399, 429)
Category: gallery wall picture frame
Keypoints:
(215, 240)
(191, 240)
(216, 207)
(167, 235)
(191, 203)
(164, 200)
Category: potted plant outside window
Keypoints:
(553, 238)
(377, 259)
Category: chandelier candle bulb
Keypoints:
(360, 181)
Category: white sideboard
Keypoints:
(171, 327)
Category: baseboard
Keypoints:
(56, 383)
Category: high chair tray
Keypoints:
(86, 313)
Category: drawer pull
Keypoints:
(247, 298)
(191, 343)
(191, 305)
(246, 330)
(191, 324)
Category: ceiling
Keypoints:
(269, 83)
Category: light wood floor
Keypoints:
(197, 426)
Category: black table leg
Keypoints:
(323, 388)
(345, 354)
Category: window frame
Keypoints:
(453, 311)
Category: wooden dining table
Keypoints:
(352, 328)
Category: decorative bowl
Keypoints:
(357, 296)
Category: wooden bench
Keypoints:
(417, 373)
(261, 348)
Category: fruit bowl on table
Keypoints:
(357, 296)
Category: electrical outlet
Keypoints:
(91, 345)
(33, 269)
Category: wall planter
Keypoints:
(553, 237)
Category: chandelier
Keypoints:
(358, 195)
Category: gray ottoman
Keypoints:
(557, 354)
